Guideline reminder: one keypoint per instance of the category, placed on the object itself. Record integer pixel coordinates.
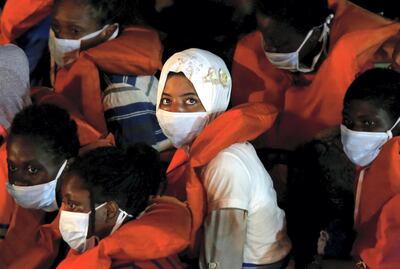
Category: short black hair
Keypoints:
(302, 15)
(380, 87)
(51, 127)
(124, 12)
(128, 177)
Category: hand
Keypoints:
(100, 38)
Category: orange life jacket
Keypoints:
(88, 135)
(378, 220)
(240, 124)
(306, 110)
(137, 51)
(18, 16)
(29, 243)
(153, 239)
(7, 204)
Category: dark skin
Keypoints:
(73, 20)
(76, 198)
(179, 95)
(275, 41)
(363, 116)
(30, 164)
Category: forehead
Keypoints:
(178, 84)
(359, 108)
(26, 148)
(74, 185)
(72, 11)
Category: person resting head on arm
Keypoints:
(108, 194)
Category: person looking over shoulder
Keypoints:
(243, 226)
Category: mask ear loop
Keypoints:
(389, 132)
(121, 217)
(323, 38)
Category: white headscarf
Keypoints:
(14, 83)
(208, 74)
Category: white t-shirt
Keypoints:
(237, 179)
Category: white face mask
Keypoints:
(74, 227)
(290, 61)
(182, 128)
(363, 147)
(41, 196)
(66, 51)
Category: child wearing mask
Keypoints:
(106, 67)
(42, 141)
(215, 169)
(111, 212)
(369, 134)
(14, 96)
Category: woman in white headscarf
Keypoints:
(215, 169)
(14, 84)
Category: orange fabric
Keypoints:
(163, 231)
(308, 109)
(87, 134)
(7, 204)
(137, 51)
(378, 221)
(29, 243)
(20, 15)
(240, 124)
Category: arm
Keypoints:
(224, 238)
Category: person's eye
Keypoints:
(12, 167)
(191, 101)
(32, 170)
(347, 123)
(55, 28)
(75, 31)
(165, 101)
(369, 123)
(71, 205)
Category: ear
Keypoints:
(112, 211)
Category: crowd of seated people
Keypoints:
(199, 134)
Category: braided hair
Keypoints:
(128, 177)
(50, 127)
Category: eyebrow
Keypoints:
(183, 95)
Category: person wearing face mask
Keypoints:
(42, 139)
(14, 96)
(215, 169)
(106, 67)
(303, 58)
(370, 136)
(112, 213)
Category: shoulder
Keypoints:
(233, 160)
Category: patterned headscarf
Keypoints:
(208, 74)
